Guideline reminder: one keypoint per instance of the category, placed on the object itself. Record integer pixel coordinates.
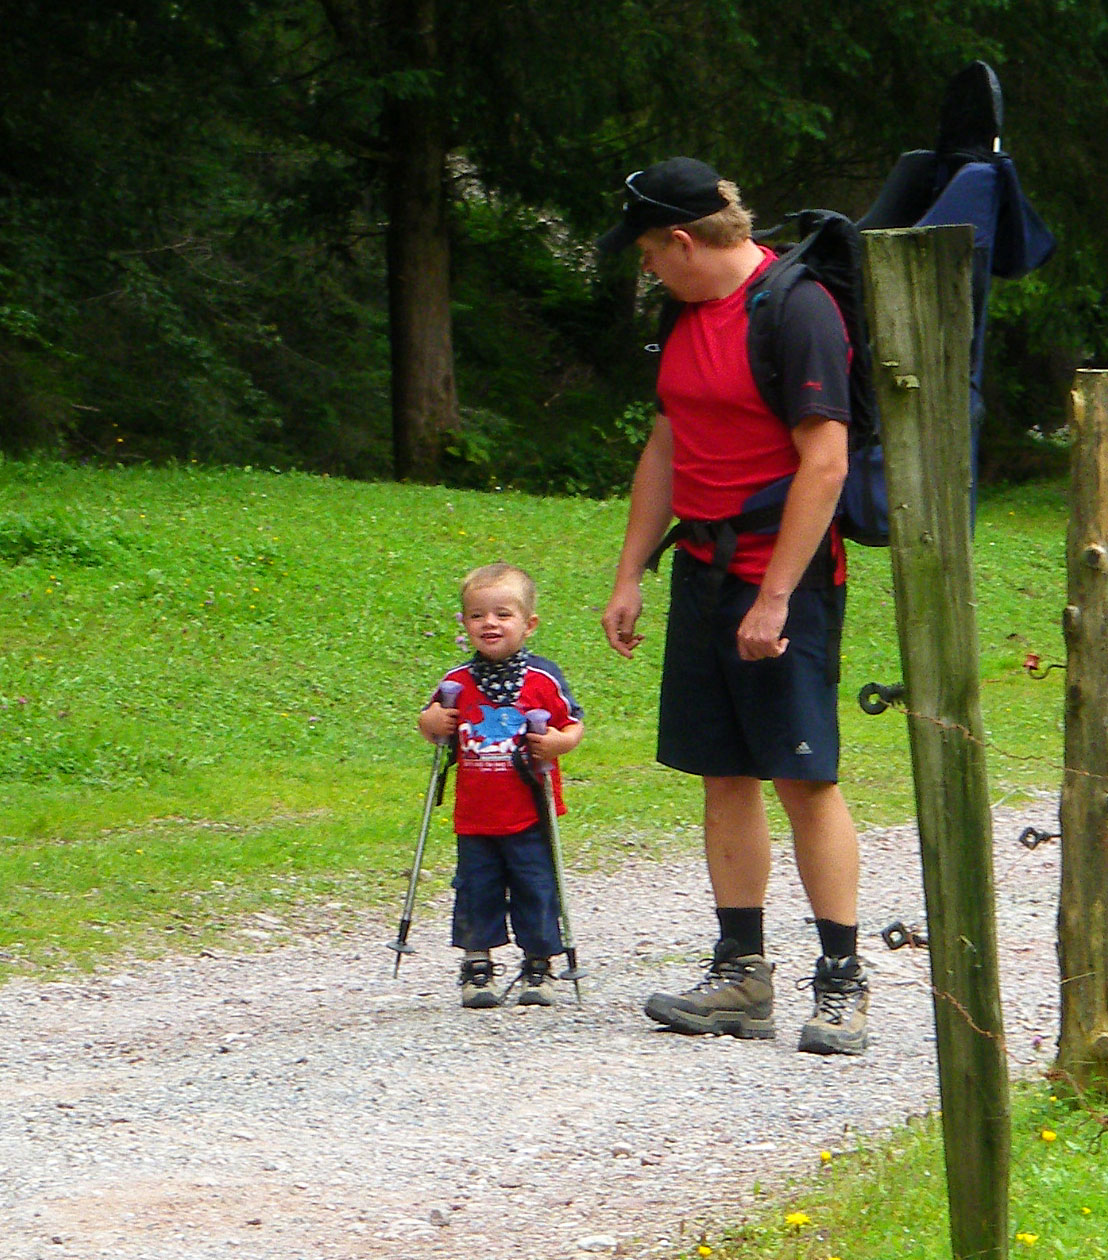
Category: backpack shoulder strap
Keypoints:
(830, 254)
(667, 318)
(765, 304)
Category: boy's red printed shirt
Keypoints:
(491, 797)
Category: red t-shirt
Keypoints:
(727, 444)
(491, 798)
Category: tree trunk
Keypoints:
(918, 303)
(1083, 908)
(424, 398)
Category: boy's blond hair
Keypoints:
(510, 574)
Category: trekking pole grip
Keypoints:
(447, 695)
(537, 722)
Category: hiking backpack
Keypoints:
(830, 253)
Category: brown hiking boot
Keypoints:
(478, 992)
(838, 1023)
(538, 983)
(735, 997)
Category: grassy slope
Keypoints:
(207, 702)
(210, 682)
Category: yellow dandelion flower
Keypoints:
(1028, 1240)
(1048, 1135)
(798, 1219)
(1086, 1211)
(703, 1250)
(825, 1157)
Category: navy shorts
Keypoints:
(723, 716)
(502, 877)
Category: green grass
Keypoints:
(208, 695)
(210, 681)
(888, 1201)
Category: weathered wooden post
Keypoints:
(918, 300)
(1083, 904)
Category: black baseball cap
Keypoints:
(677, 190)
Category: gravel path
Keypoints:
(301, 1104)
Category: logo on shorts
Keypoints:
(802, 749)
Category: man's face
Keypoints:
(664, 253)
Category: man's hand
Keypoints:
(759, 634)
(809, 508)
(649, 514)
(620, 617)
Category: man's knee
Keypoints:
(805, 794)
(731, 795)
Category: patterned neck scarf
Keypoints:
(501, 681)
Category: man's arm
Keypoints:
(809, 507)
(650, 513)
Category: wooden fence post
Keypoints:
(918, 300)
(1083, 903)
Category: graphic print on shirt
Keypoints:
(494, 737)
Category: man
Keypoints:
(751, 661)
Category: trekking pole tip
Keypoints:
(574, 973)
(400, 946)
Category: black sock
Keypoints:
(743, 925)
(837, 940)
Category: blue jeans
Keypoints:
(502, 877)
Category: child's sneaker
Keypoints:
(477, 987)
(838, 1023)
(538, 983)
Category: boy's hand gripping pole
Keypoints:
(447, 696)
(537, 720)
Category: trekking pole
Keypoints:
(537, 720)
(447, 695)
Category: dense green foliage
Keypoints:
(210, 683)
(192, 209)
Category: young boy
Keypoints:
(505, 867)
